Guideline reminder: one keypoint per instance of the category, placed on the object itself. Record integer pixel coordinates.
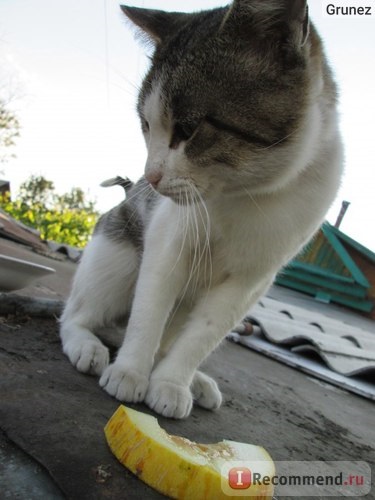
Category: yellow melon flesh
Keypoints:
(177, 467)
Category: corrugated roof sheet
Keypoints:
(346, 349)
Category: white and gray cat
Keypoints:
(239, 115)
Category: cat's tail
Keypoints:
(125, 183)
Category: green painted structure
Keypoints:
(334, 268)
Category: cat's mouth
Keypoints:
(182, 194)
(182, 199)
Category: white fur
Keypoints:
(203, 266)
(162, 159)
(102, 292)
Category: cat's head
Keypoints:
(225, 101)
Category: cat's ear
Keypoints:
(285, 20)
(297, 12)
(157, 25)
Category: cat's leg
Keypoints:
(162, 276)
(213, 316)
(127, 378)
(102, 291)
(205, 391)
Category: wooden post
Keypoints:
(344, 208)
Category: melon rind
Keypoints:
(175, 466)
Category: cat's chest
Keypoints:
(216, 248)
(211, 243)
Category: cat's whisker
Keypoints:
(183, 216)
(279, 141)
(146, 192)
(138, 193)
(208, 257)
(199, 253)
(257, 206)
(135, 86)
(197, 247)
(110, 68)
(192, 236)
(194, 244)
(207, 229)
(187, 233)
(185, 225)
(122, 88)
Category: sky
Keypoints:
(71, 71)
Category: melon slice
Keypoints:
(180, 468)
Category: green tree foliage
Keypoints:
(67, 218)
(9, 131)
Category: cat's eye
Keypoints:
(245, 135)
(184, 131)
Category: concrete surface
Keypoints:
(56, 415)
(52, 417)
(22, 477)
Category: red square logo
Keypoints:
(239, 478)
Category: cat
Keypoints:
(238, 111)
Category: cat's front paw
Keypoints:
(206, 392)
(88, 356)
(125, 384)
(169, 399)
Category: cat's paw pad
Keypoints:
(124, 384)
(206, 392)
(88, 356)
(169, 399)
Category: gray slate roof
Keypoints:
(347, 350)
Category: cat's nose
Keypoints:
(154, 178)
